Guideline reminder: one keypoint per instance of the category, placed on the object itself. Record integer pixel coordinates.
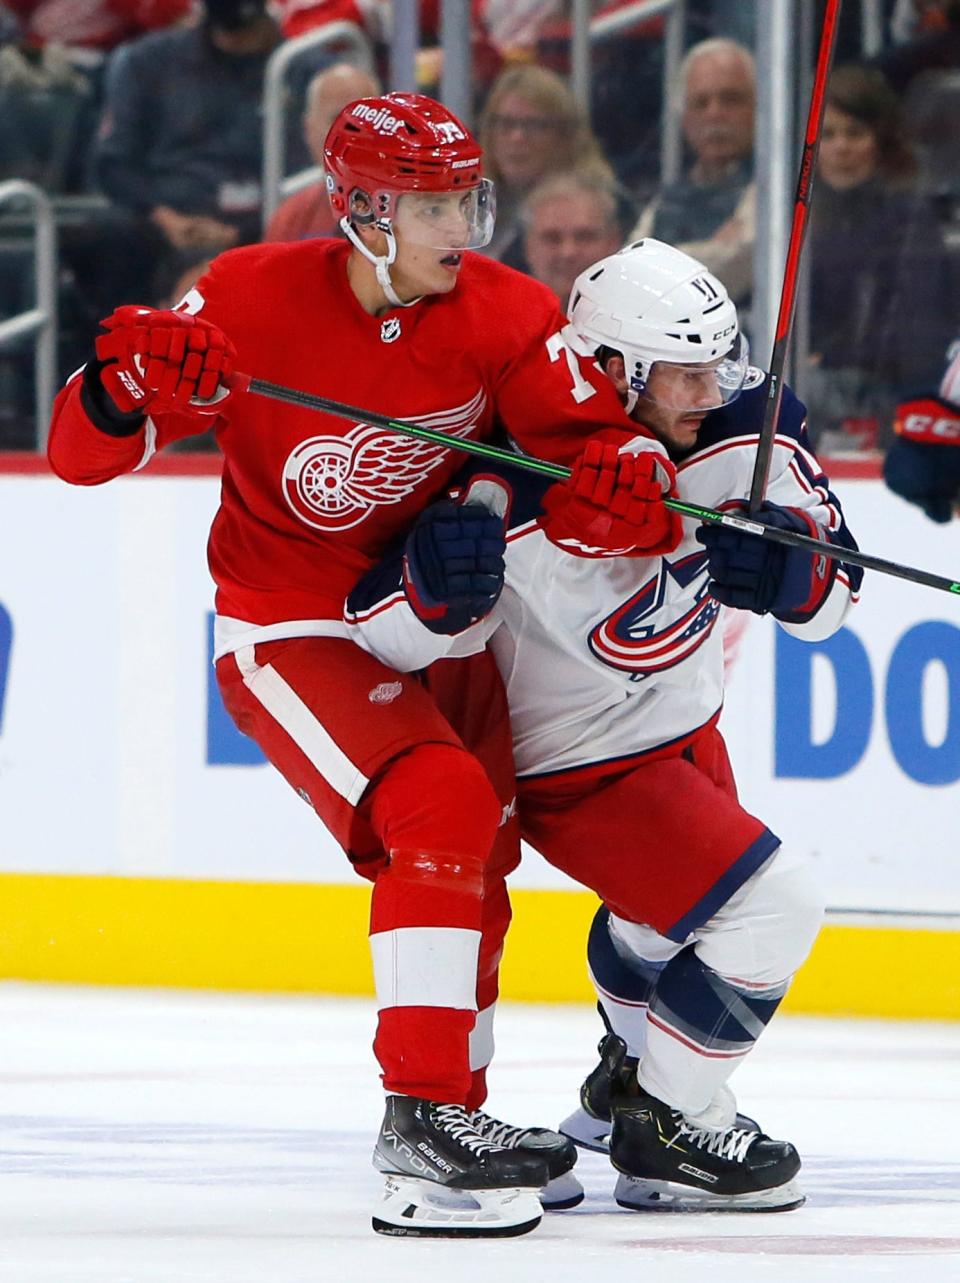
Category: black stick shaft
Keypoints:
(788, 293)
(527, 463)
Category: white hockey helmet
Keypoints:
(653, 303)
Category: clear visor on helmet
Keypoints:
(692, 389)
(447, 220)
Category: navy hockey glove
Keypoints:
(923, 462)
(453, 562)
(753, 573)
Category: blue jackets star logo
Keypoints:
(661, 624)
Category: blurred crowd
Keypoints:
(143, 119)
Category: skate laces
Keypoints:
(458, 1124)
(500, 1134)
(731, 1143)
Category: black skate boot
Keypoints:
(444, 1179)
(563, 1190)
(616, 1075)
(673, 1165)
(589, 1126)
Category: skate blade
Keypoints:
(412, 1208)
(639, 1195)
(586, 1131)
(561, 1193)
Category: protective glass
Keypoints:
(447, 220)
(690, 389)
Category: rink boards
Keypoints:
(144, 841)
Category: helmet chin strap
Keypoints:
(381, 262)
(633, 395)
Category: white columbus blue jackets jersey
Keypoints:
(608, 658)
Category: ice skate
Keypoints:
(589, 1126)
(670, 1164)
(563, 1190)
(445, 1179)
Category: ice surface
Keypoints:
(179, 1137)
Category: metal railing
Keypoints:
(341, 35)
(777, 156)
(456, 88)
(404, 42)
(39, 321)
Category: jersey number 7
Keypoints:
(582, 388)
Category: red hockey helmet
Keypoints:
(379, 150)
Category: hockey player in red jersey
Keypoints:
(607, 637)
(401, 318)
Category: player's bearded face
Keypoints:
(677, 398)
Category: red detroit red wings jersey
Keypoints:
(310, 501)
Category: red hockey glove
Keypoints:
(159, 361)
(613, 503)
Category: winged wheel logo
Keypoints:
(335, 482)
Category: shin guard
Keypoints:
(437, 816)
(624, 984)
(700, 1026)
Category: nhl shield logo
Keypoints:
(390, 330)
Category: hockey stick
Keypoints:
(309, 401)
(788, 293)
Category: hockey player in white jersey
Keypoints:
(612, 659)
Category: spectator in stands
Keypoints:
(307, 212)
(299, 16)
(501, 31)
(879, 275)
(44, 104)
(710, 212)
(9, 26)
(180, 143)
(933, 42)
(569, 221)
(51, 74)
(91, 28)
(532, 126)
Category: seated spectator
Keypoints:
(710, 212)
(502, 33)
(307, 212)
(89, 27)
(82, 33)
(180, 145)
(43, 101)
(532, 126)
(931, 43)
(299, 16)
(514, 27)
(569, 221)
(626, 86)
(500, 30)
(9, 26)
(880, 310)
